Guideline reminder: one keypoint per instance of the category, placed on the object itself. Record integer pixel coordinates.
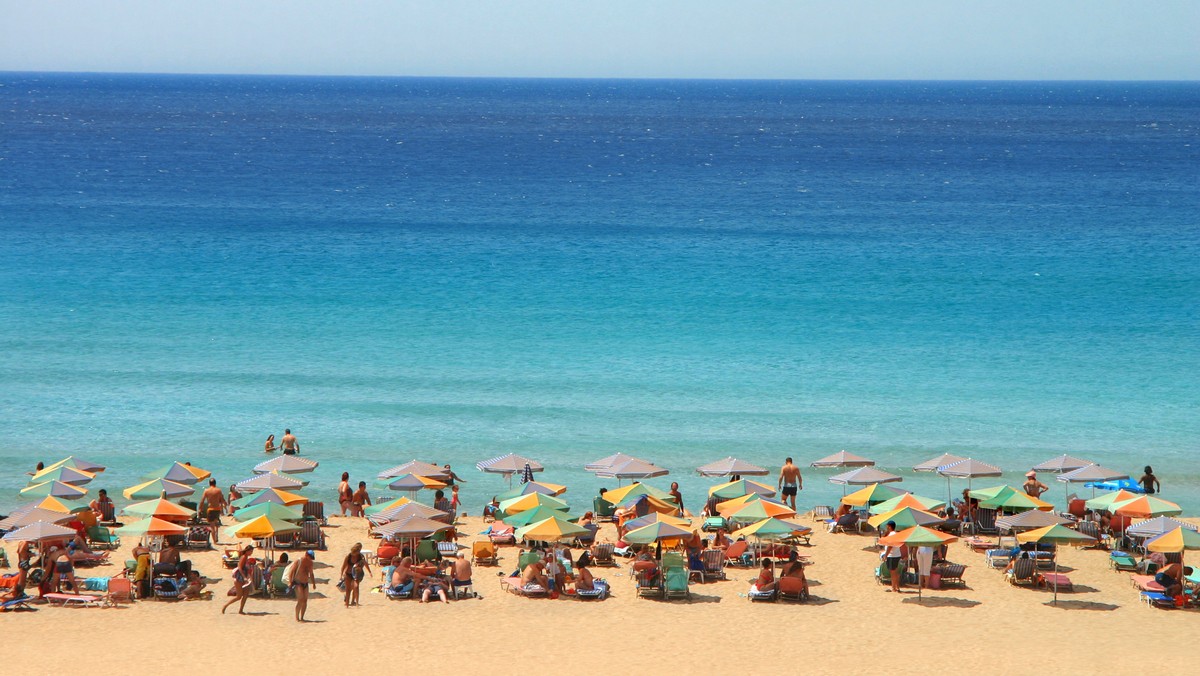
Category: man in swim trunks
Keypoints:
(303, 576)
(289, 444)
(212, 503)
(60, 564)
(790, 482)
(462, 571)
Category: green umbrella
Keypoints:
(772, 529)
(927, 504)
(988, 493)
(158, 488)
(531, 487)
(151, 526)
(261, 527)
(270, 495)
(1057, 535)
(905, 517)
(537, 514)
(55, 489)
(736, 489)
(1013, 500)
(656, 532)
(78, 463)
(67, 475)
(525, 502)
(179, 473)
(554, 529)
(271, 509)
(1105, 502)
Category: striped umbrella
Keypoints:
(532, 487)
(942, 460)
(905, 517)
(180, 473)
(54, 489)
(269, 480)
(416, 467)
(158, 488)
(907, 500)
(843, 459)
(31, 516)
(1057, 535)
(162, 508)
(731, 466)
(275, 495)
(78, 463)
(655, 532)
(150, 527)
(40, 531)
(67, 475)
(286, 464)
(736, 489)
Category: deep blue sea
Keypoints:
(452, 269)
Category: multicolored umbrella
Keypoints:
(1146, 507)
(1057, 535)
(261, 527)
(525, 502)
(54, 489)
(537, 514)
(1030, 520)
(78, 463)
(905, 517)
(1013, 500)
(618, 495)
(414, 527)
(67, 475)
(1175, 540)
(270, 495)
(736, 489)
(161, 508)
(772, 529)
(1105, 502)
(916, 536)
(907, 500)
(40, 531)
(179, 473)
(271, 509)
(262, 482)
(286, 464)
(735, 504)
(532, 487)
(843, 459)
(655, 532)
(158, 488)
(60, 505)
(510, 463)
(757, 511)
(150, 527)
(643, 504)
(656, 517)
(408, 509)
(871, 495)
(411, 483)
(731, 466)
(553, 529)
(371, 510)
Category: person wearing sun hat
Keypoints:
(1033, 487)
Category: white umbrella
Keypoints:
(863, 476)
(731, 466)
(843, 459)
(415, 467)
(262, 482)
(1091, 474)
(286, 464)
(1061, 464)
(40, 531)
(609, 461)
(942, 460)
(966, 469)
(633, 469)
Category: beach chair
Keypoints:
(168, 586)
(821, 513)
(589, 539)
(979, 544)
(598, 593)
(1159, 600)
(985, 522)
(483, 553)
(1057, 581)
(277, 586)
(845, 522)
(315, 511)
(791, 589)
(506, 535)
(447, 550)
(514, 585)
(603, 509)
(120, 589)
(310, 535)
(427, 550)
(602, 554)
(737, 554)
(999, 558)
(648, 583)
(79, 600)
(108, 514)
(714, 523)
(1146, 583)
(675, 576)
(19, 603)
(1092, 529)
(197, 537)
(1023, 571)
(950, 573)
(286, 540)
(102, 538)
(755, 595)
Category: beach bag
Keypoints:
(288, 573)
(935, 581)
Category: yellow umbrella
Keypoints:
(758, 510)
(261, 527)
(655, 517)
(553, 529)
(871, 494)
(59, 505)
(736, 503)
(618, 495)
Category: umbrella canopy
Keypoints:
(271, 509)
(656, 532)
(1092, 473)
(372, 510)
(1061, 464)
(772, 529)
(871, 495)
(151, 526)
(537, 514)
(1105, 502)
(270, 495)
(843, 459)
(407, 510)
(757, 511)
(1175, 540)
(412, 527)
(157, 488)
(969, 469)
(67, 475)
(1157, 526)
(907, 500)
(510, 463)
(31, 516)
(864, 476)
(286, 464)
(553, 529)
(990, 492)
(524, 502)
(644, 504)
(1012, 499)
(56, 489)
(261, 527)
(655, 517)
(1145, 507)
(161, 508)
(78, 463)
(269, 480)
(736, 503)
(618, 495)
(40, 531)
(731, 466)
(916, 536)
(179, 473)
(942, 460)
(1030, 520)
(532, 487)
(610, 461)
(1056, 535)
(58, 505)
(905, 517)
(416, 467)
(411, 483)
(736, 489)
(633, 469)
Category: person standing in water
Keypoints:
(1033, 487)
(289, 444)
(270, 446)
(790, 481)
(1149, 482)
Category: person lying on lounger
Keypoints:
(535, 573)
(1170, 577)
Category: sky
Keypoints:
(772, 39)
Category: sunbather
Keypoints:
(583, 577)
(535, 573)
(195, 586)
(17, 591)
(434, 585)
(462, 571)
(766, 577)
(721, 540)
(1170, 577)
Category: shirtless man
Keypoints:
(462, 572)
(790, 481)
(60, 564)
(289, 444)
(678, 498)
(533, 573)
(101, 504)
(303, 576)
(360, 500)
(212, 503)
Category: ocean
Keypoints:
(453, 269)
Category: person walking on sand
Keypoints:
(360, 499)
(892, 556)
(1149, 482)
(790, 482)
(212, 503)
(303, 576)
(346, 495)
(270, 446)
(243, 580)
(352, 573)
(289, 444)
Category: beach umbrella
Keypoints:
(736, 489)
(271, 509)
(286, 464)
(411, 483)
(509, 464)
(916, 536)
(260, 482)
(40, 531)
(618, 495)
(158, 488)
(414, 527)
(632, 469)
(27, 517)
(537, 514)
(64, 474)
(532, 487)
(261, 527)
(55, 489)
(371, 510)
(1030, 520)
(966, 469)
(275, 495)
(772, 529)
(656, 532)
(907, 500)
(524, 502)
(989, 492)
(408, 509)
(78, 463)
(757, 511)
(863, 476)
(179, 473)
(1157, 526)
(151, 526)
(1175, 540)
(609, 461)
(905, 517)
(942, 460)
(1057, 535)
(655, 517)
(60, 505)
(731, 466)
(843, 459)
(1105, 502)
(1145, 507)
(1091, 474)
(1011, 499)
(416, 467)
(644, 504)
(871, 495)
(1061, 464)
(736, 503)
(160, 507)
(553, 529)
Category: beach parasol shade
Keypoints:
(553, 529)
(735, 504)
(371, 510)
(78, 463)
(758, 510)
(736, 489)
(156, 488)
(1011, 499)
(1105, 502)
(1061, 464)
(969, 469)
(864, 476)
(408, 509)
(942, 460)
(618, 495)
(151, 526)
(655, 517)
(532, 487)
(271, 509)
(1092, 473)
(161, 508)
(286, 464)
(772, 529)
(1030, 520)
(905, 517)
(67, 475)
(1157, 526)
(54, 489)
(416, 467)
(412, 527)
(907, 500)
(60, 504)
(655, 532)
(916, 536)
(871, 495)
(1174, 540)
(275, 495)
(843, 459)
(610, 461)
(989, 492)
(411, 483)
(269, 480)
(633, 469)
(1057, 535)
(510, 463)
(27, 517)
(179, 473)
(261, 527)
(524, 502)
(40, 531)
(731, 466)
(644, 504)
(537, 514)
(1145, 507)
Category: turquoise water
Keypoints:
(456, 269)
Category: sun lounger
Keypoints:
(713, 523)
(755, 595)
(514, 585)
(19, 603)
(821, 513)
(1158, 600)
(648, 583)
(102, 538)
(598, 593)
(1023, 571)
(503, 536)
(950, 573)
(999, 558)
(791, 589)
(197, 538)
(844, 523)
(738, 554)
(315, 510)
(277, 586)
(675, 575)
(602, 554)
(81, 600)
(483, 553)
(979, 544)
(714, 564)
(448, 550)
(1092, 529)
(1146, 583)
(589, 539)
(603, 509)
(1118, 560)
(1057, 580)
(310, 535)
(168, 587)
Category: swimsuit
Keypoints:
(64, 566)
(790, 489)
(460, 583)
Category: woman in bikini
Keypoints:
(346, 495)
(270, 445)
(353, 573)
(243, 580)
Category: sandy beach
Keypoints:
(850, 626)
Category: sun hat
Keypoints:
(1030, 474)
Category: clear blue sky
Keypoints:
(850, 39)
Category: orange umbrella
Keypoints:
(1146, 507)
(161, 508)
